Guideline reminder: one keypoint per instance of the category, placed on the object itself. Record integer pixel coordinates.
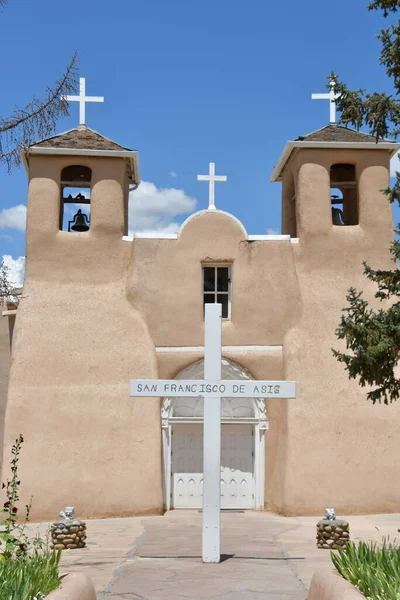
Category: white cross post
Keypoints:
(212, 178)
(332, 97)
(82, 99)
(212, 389)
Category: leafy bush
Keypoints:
(29, 577)
(28, 569)
(374, 570)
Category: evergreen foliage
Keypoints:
(373, 336)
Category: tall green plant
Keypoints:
(374, 570)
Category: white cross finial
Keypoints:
(332, 97)
(82, 99)
(212, 178)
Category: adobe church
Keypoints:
(100, 308)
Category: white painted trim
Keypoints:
(267, 238)
(83, 152)
(154, 235)
(244, 420)
(290, 146)
(167, 449)
(294, 240)
(165, 349)
(9, 313)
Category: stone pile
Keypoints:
(332, 534)
(68, 534)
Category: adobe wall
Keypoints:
(166, 286)
(339, 449)
(5, 323)
(95, 308)
(77, 342)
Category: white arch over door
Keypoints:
(250, 411)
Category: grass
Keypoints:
(373, 569)
(29, 577)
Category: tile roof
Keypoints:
(338, 133)
(82, 138)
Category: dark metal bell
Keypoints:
(80, 222)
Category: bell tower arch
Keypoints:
(333, 179)
(78, 183)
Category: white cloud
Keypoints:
(394, 165)
(173, 174)
(156, 209)
(14, 217)
(272, 231)
(16, 269)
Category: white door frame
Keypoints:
(260, 427)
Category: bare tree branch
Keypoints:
(38, 119)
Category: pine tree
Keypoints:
(373, 335)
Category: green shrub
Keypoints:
(30, 576)
(28, 569)
(374, 570)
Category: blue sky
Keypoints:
(186, 83)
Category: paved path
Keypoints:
(266, 556)
(168, 562)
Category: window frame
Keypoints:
(217, 265)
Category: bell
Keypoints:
(80, 222)
(337, 216)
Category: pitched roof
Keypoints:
(332, 136)
(338, 133)
(82, 138)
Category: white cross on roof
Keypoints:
(82, 99)
(331, 97)
(212, 178)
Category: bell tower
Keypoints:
(332, 180)
(79, 184)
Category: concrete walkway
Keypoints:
(265, 556)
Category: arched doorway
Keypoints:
(244, 422)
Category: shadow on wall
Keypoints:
(4, 372)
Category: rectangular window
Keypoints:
(217, 287)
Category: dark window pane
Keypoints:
(209, 279)
(208, 299)
(223, 299)
(222, 279)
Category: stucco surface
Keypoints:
(95, 309)
(77, 342)
(4, 371)
(327, 584)
(74, 586)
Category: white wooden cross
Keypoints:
(212, 178)
(82, 99)
(212, 389)
(332, 97)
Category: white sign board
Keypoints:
(223, 388)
